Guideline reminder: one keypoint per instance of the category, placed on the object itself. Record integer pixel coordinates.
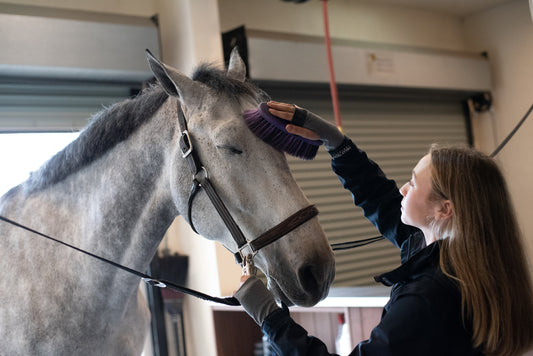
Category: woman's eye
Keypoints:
(231, 149)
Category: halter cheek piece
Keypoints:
(246, 249)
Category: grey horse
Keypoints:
(114, 192)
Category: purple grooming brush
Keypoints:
(271, 129)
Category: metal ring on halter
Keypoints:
(197, 173)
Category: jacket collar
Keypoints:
(418, 264)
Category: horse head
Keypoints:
(252, 179)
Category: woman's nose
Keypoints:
(403, 189)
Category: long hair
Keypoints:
(482, 250)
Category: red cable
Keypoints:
(332, 83)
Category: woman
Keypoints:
(463, 287)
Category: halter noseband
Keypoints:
(246, 249)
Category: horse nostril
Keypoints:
(310, 279)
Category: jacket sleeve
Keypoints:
(371, 190)
(409, 328)
(289, 338)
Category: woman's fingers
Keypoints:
(281, 110)
(303, 132)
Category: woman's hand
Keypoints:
(255, 298)
(286, 112)
(306, 124)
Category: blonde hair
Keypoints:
(483, 251)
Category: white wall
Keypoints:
(506, 33)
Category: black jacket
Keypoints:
(423, 315)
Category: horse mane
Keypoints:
(217, 80)
(105, 130)
(116, 123)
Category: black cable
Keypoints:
(511, 134)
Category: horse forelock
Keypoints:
(105, 130)
(217, 80)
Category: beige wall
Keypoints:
(349, 20)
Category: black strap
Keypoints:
(145, 277)
(230, 223)
(194, 189)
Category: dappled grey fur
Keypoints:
(107, 128)
(118, 122)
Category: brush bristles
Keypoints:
(278, 137)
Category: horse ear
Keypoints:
(236, 68)
(172, 81)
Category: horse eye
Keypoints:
(231, 149)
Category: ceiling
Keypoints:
(455, 7)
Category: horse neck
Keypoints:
(120, 204)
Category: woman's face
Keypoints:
(417, 209)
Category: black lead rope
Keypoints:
(354, 244)
(160, 283)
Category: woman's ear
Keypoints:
(445, 210)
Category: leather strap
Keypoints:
(230, 223)
(283, 228)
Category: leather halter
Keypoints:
(246, 249)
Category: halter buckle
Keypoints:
(185, 144)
